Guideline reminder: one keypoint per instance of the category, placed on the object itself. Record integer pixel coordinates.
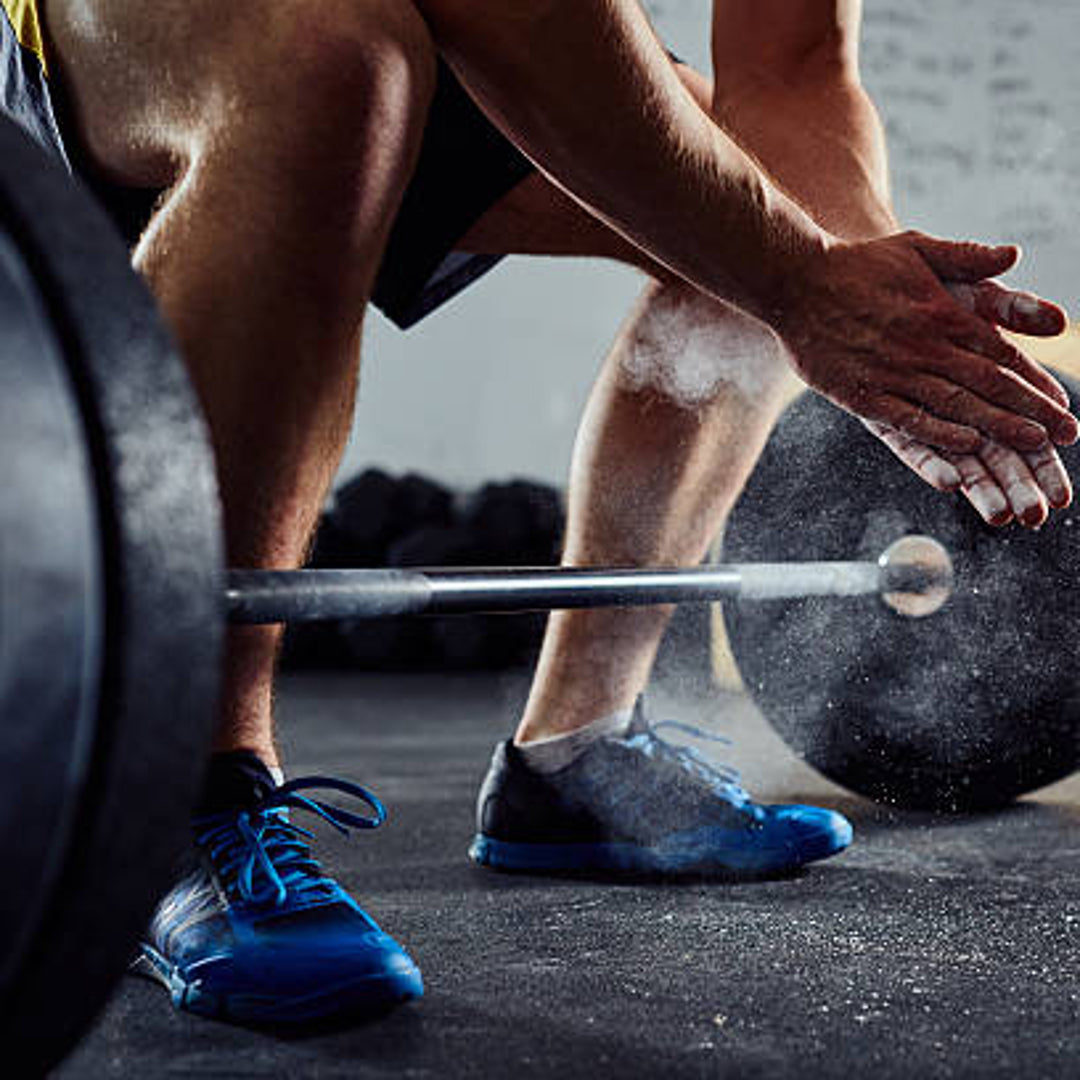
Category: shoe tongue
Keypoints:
(233, 781)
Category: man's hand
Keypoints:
(588, 93)
(1001, 484)
(872, 327)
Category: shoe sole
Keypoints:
(685, 853)
(352, 997)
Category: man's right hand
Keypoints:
(871, 327)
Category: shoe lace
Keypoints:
(264, 857)
(724, 779)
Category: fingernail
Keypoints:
(1067, 432)
(1051, 322)
(990, 504)
(1025, 304)
(1055, 490)
(1026, 505)
(1060, 496)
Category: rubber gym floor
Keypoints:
(934, 947)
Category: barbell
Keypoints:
(114, 601)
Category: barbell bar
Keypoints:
(913, 576)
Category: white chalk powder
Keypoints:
(1008, 307)
(918, 457)
(690, 348)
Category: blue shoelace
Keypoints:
(261, 842)
(722, 778)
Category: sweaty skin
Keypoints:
(285, 154)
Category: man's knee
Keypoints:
(344, 61)
(694, 352)
(167, 88)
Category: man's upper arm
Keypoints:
(785, 33)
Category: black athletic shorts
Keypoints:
(465, 166)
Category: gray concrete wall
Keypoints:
(982, 103)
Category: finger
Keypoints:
(1052, 476)
(1012, 410)
(1034, 373)
(982, 491)
(1003, 306)
(1012, 475)
(1020, 312)
(946, 399)
(1063, 425)
(916, 423)
(981, 337)
(918, 457)
(966, 262)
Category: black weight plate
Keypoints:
(160, 556)
(52, 606)
(965, 709)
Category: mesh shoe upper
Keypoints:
(641, 803)
(257, 931)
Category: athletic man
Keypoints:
(282, 146)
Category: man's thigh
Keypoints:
(129, 79)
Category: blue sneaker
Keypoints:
(258, 934)
(641, 805)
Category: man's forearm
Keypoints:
(586, 90)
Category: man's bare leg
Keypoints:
(285, 134)
(285, 152)
(692, 388)
(654, 473)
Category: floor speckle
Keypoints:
(934, 947)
